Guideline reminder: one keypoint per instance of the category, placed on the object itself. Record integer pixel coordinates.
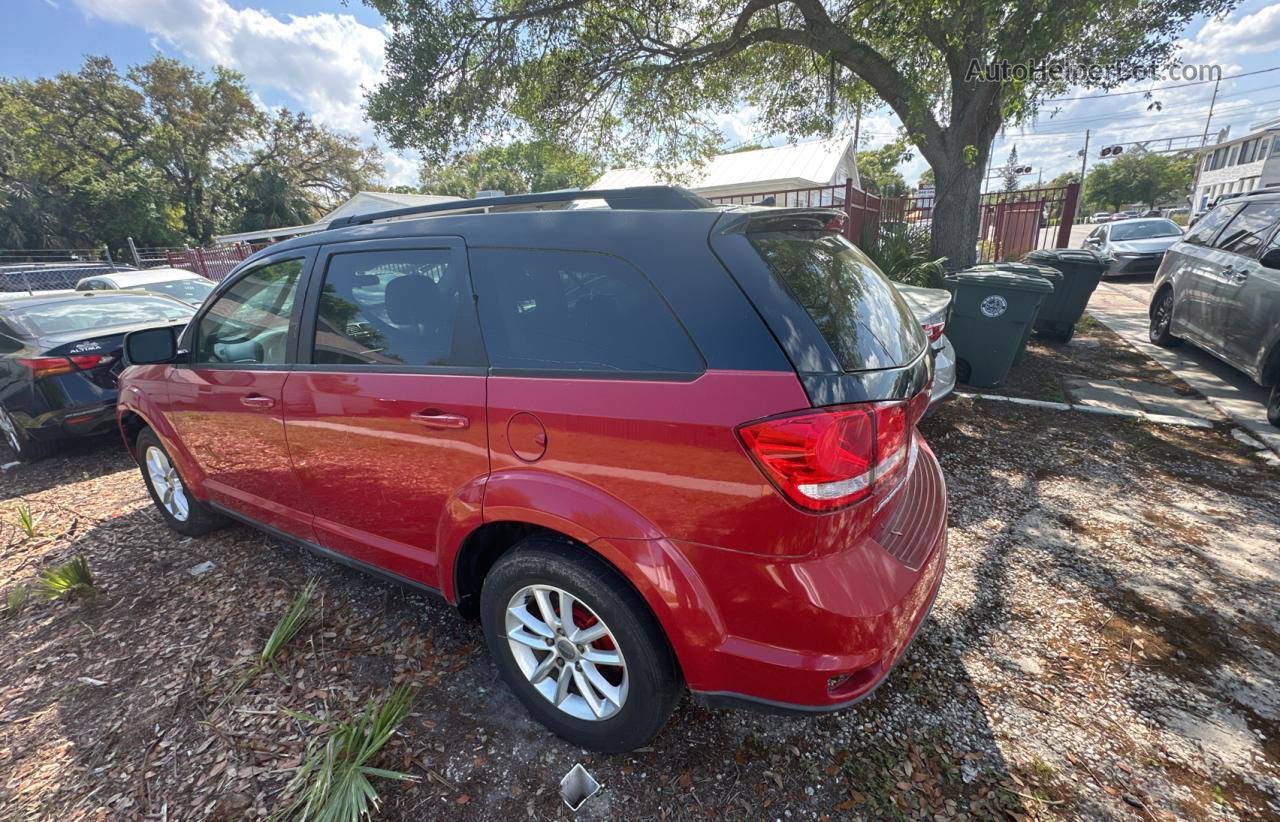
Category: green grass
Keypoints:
(25, 522)
(70, 580)
(16, 600)
(333, 783)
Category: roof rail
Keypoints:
(638, 197)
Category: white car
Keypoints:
(184, 285)
(930, 306)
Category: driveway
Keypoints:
(1121, 305)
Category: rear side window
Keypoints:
(1208, 227)
(1246, 233)
(393, 308)
(575, 311)
(856, 309)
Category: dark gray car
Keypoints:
(1220, 288)
(1133, 246)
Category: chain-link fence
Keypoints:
(48, 269)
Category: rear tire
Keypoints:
(1162, 320)
(26, 449)
(180, 511)
(1273, 406)
(647, 683)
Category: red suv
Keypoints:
(652, 446)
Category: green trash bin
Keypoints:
(991, 311)
(1053, 275)
(1081, 270)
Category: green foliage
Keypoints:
(297, 615)
(904, 253)
(16, 600)
(878, 169)
(1010, 176)
(70, 580)
(518, 168)
(1139, 177)
(333, 782)
(162, 153)
(25, 523)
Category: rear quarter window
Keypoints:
(575, 311)
(855, 307)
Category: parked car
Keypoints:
(178, 283)
(1123, 215)
(59, 358)
(646, 466)
(1153, 212)
(930, 307)
(1133, 246)
(52, 276)
(1220, 288)
(1100, 217)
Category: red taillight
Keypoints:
(828, 459)
(53, 366)
(836, 224)
(933, 330)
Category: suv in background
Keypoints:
(653, 446)
(1220, 288)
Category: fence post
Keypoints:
(133, 250)
(1068, 215)
(204, 269)
(106, 252)
(848, 208)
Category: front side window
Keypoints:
(248, 324)
(1208, 227)
(1246, 233)
(575, 311)
(392, 308)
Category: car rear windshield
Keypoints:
(82, 313)
(856, 309)
(1145, 231)
(188, 290)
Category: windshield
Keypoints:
(91, 313)
(1145, 230)
(856, 309)
(188, 290)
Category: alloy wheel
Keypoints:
(1164, 313)
(566, 652)
(167, 484)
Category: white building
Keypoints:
(1242, 164)
(802, 165)
(363, 202)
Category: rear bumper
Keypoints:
(944, 372)
(820, 633)
(68, 423)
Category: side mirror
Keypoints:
(151, 345)
(1271, 259)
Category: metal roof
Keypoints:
(818, 162)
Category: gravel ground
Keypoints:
(1105, 644)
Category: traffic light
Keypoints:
(1112, 151)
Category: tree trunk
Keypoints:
(956, 207)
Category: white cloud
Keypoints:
(324, 61)
(1223, 38)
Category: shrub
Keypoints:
(70, 580)
(903, 251)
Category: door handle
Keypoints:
(433, 418)
(257, 401)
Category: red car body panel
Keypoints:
(401, 482)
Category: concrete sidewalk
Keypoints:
(1122, 307)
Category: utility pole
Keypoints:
(1204, 138)
(1084, 163)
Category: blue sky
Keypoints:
(317, 55)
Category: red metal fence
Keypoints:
(214, 263)
(1010, 224)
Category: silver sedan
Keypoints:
(1133, 246)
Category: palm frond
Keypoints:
(291, 621)
(69, 580)
(16, 600)
(25, 521)
(333, 782)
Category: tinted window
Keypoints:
(249, 322)
(576, 311)
(857, 311)
(392, 308)
(1249, 229)
(99, 311)
(1144, 230)
(1208, 227)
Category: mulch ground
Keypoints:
(1106, 644)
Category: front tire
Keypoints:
(180, 511)
(26, 449)
(1162, 321)
(1273, 406)
(578, 646)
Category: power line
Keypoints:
(1165, 109)
(1161, 88)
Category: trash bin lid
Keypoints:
(1048, 272)
(1065, 255)
(998, 279)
